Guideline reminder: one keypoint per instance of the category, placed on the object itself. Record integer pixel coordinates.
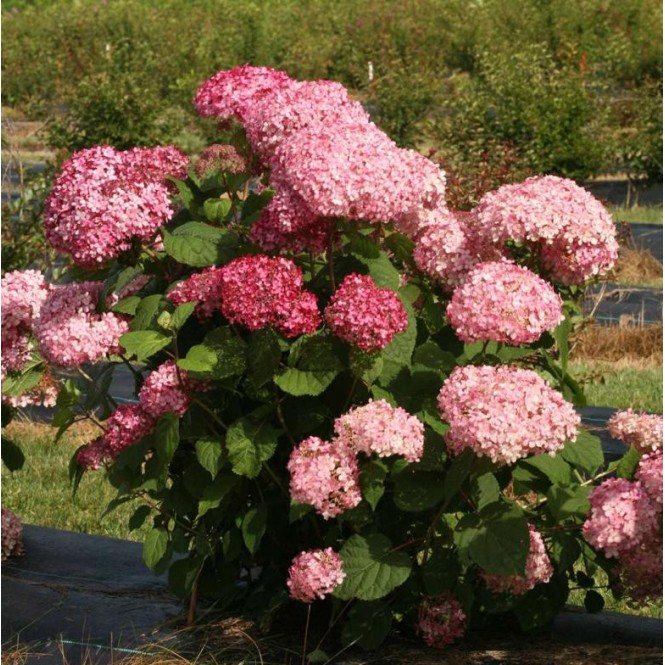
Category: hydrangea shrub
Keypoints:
(343, 389)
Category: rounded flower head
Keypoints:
(315, 574)
(166, 389)
(12, 535)
(260, 291)
(441, 620)
(125, 427)
(503, 302)
(571, 230)
(220, 158)
(204, 288)
(622, 516)
(365, 315)
(381, 429)
(641, 569)
(643, 431)
(69, 329)
(324, 475)
(504, 413)
(538, 569)
(92, 456)
(650, 474)
(104, 198)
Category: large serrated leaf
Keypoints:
(250, 441)
(568, 501)
(416, 491)
(585, 453)
(215, 492)
(154, 546)
(254, 526)
(210, 455)
(372, 568)
(17, 384)
(372, 477)
(263, 356)
(316, 366)
(200, 245)
(221, 355)
(142, 344)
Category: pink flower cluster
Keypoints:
(104, 198)
(166, 389)
(504, 413)
(23, 294)
(641, 569)
(622, 516)
(365, 315)
(643, 431)
(650, 474)
(381, 429)
(315, 574)
(12, 535)
(324, 475)
(259, 291)
(569, 229)
(538, 569)
(222, 158)
(503, 302)
(441, 620)
(204, 288)
(69, 329)
(45, 393)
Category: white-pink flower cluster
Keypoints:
(12, 535)
(381, 429)
(643, 431)
(104, 198)
(441, 620)
(23, 293)
(365, 315)
(315, 574)
(325, 475)
(503, 302)
(504, 413)
(650, 474)
(70, 331)
(538, 569)
(166, 389)
(568, 228)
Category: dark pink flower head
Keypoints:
(260, 291)
(571, 230)
(222, 158)
(622, 516)
(233, 92)
(92, 456)
(204, 288)
(126, 426)
(325, 475)
(69, 329)
(538, 569)
(643, 431)
(503, 302)
(104, 198)
(504, 413)
(315, 574)
(441, 620)
(166, 389)
(365, 315)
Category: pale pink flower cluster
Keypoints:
(203, 288)
(441, 620)
(381, 429)
(260, 291)
(643, 431)
(166, 389)
(315, 574)
(503, 302)
(538, 569)
(570, 230)
(12, 535)
(365, 315)
(103, 199)
(325, 475)
(504, 413)
(23, 293)
(622, 516)
(650, 474)
(69, 329)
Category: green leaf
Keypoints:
(254, 526)
(316, 366)
(441, 571)
(416, 491)
(367, 624)
(554, 468)
(217, 210)
(457, 473)
(166, 438)
(263, 356)
(127, 305)
(372, 568)
(148, 311)
(564, 550)
(401, 246)
(154, 546)
(381, 270)
(250, 441)
(585, 454)
(200, 245)
(185, 192)
(139, 517)
(568, 501)
(142, 344)
(397, 354)
(593, 602)
(628, 464)
(215, 492)
(12, 455)
(432, 356)
(539, 606)
(485, 490)
(364, 246)
(372, 476)
(15, 385)
(298, 510)
(182, 575)
(181, 314)
(221, 355)
(210, 455)
(561, 334)
(366, 366)
(253, 205)
(318, 657)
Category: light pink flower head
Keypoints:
(381, 429)
(325, 475)
(504, 413)
(538, 569)
(503, 302)
(643, 431)
(441, 620)
(315, 574)
(166, 389)
(650, 474)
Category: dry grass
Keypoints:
(637, 266)
(618, 344)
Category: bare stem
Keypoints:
(304, 643)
